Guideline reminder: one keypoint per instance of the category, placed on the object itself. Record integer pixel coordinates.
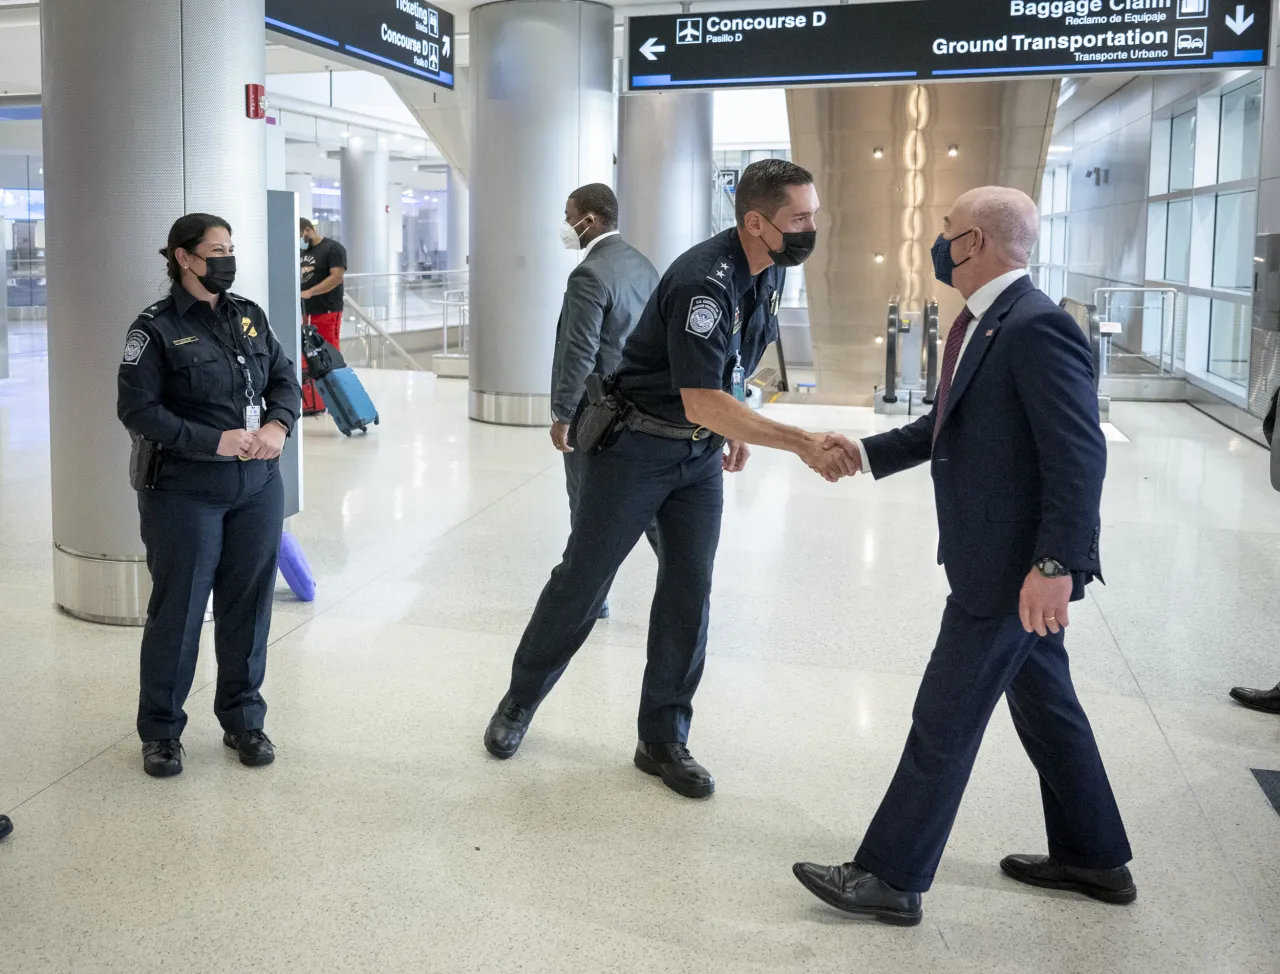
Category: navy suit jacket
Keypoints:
(1020, 457)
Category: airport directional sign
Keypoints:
(410, 36)
(933, 40)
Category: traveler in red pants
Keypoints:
(324, 265)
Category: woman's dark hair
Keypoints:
(188, 233)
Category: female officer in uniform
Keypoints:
(209, 397)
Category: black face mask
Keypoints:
(219, 274)
(796, 247)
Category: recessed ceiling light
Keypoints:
(877, 153)
(953, 151)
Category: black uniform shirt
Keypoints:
(180, 383)
(318, 263)
(706, 306)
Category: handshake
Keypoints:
(832, 456)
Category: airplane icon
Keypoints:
(689, 30)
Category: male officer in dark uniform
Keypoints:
(681, 387)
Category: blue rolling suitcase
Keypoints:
(348, 403)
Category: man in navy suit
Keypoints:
(1018, 458)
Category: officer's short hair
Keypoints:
(764, 187)
(599, 199)
(188, 233)
(304, 225)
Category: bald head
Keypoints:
(1009, 218)
(992, 231)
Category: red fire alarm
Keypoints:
(255, 101)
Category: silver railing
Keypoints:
(410, 300)
(1161, 360)
(371, 344)
(1086, 316)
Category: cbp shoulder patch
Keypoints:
(704, 314)
(134, 346)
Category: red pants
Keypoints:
(329, 327)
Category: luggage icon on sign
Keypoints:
(689, 30)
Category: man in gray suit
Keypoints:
(606, 293)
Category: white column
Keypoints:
(542, 122)
(458, 220)
(364, 207)
(665, 176)
(127, 151)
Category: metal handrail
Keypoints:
(930, 351)
(364, 316)
(891, 354)
(1092, 328)
(1164, 292)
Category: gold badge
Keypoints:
(246, 326)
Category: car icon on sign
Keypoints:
(1191, 42)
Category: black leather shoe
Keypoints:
(1268, 701)
(1108, 885)
(604, 610)
(6, 826)
(854, 890)
(162, 759)
(254, 747)
(676, 767)
(507, 727)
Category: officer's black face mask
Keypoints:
(797, 247)
(219, 274)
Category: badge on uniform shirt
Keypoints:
(704, 315)
(186, 341)
(135, 345)
(252, 419)
(246, 327)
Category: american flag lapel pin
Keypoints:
(990, 332)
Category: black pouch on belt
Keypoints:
(144, 463)
(600, 415)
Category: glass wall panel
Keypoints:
(1182, 152)
(1240, 137)
(1062, 189)
(1177, 248)
(1229, 335)
(1233, 236)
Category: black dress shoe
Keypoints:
(1108, 885)
(6, 826)
(676, 767)
(507, 727)
(854, 890)
(604, 610)
(162, 759)
(1268, 701)
(254, 747)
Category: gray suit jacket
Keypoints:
(602, 303)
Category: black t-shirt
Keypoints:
(689, 331)
(318, 263)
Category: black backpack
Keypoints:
(322, 358)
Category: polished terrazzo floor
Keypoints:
(384, 839)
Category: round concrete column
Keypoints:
(459, 221)
(364, 207)
(133, 139)
(665, 172)
(542, 125)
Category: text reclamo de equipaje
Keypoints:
(1081, 12)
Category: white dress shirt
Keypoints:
(589, 247)
(979, 304)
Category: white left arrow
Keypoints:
(447, 44)
(1240, 23)
(651, 48)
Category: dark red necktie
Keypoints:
(950, 359)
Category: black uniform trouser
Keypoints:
(975, 662)
(209, 527)
(677, 486)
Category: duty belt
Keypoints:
(639, 422)
(199, 457)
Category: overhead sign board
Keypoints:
(932, 40)
(409, 36)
